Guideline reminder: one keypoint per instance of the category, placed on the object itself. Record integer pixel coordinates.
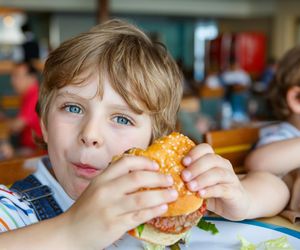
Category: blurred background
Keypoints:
(227, 49)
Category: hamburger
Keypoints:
(187, 210)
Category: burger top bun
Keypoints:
(168, 152)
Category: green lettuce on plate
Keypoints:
(280, 243)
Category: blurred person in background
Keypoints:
(277, 150)
(30, 46)
(29, 50)
(235, 75)
(212, 79)
(262, 85)
(24, 80)
(237, 82)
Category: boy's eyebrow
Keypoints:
(69, 94)
(121, 107)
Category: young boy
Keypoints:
(277, 150)
(106, 91)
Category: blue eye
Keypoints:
(122, 120)
(73, 109)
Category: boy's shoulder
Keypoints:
(277, 132)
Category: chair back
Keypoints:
(233, 144)
(18, 168)
(10, 102)
(4, 131)
(211, 101)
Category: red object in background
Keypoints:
(29, 116)
(220, 52)
(247, 48)
(250, 50)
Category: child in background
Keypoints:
(104, 92)
(24, 80)
(278, 149)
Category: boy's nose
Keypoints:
(91, 136)
(88, 142)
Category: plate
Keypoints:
(226, 239)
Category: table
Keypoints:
(280, 221)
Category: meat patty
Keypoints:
(178, 224)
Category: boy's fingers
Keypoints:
(224, 191)
(146, 199)
(212, 177)
(132, 220)
(136, 180)
(126, 164)
(203, 164)
(197, 152)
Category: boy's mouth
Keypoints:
(85, 170)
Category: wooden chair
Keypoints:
(10, 102)
(4, 130)
(18, 168)
(207, 92)
(233, 144)
(13, 170)
(211, 101)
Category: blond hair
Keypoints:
(139, 70)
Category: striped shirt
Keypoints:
(16, 213)
(277, 132)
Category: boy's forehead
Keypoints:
(90, 90)
(87, 89)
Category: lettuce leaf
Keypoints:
(207, 226)
(140, 229)
(151, 246)
(280, 243)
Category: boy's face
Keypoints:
(84, 132)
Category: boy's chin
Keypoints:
(77, 189)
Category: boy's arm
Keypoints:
(268, 194)
(277, 157)
(48, 234)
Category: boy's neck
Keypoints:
(294, 120)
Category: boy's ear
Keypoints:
(293, 99)
(44, 131)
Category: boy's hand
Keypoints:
(110, 206)
(213, 177)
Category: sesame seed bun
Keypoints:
(168, 152)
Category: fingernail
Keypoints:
(173, 193)
(186, 175)
(192, 185)
(202, 193)
(155, 165)
(187, 160)
(163, 207)
(170, 179)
